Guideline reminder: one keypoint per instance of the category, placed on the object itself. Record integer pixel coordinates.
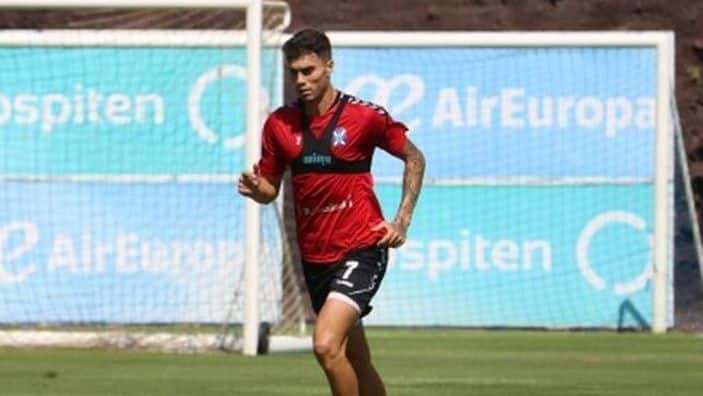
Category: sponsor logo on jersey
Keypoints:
(319, 159)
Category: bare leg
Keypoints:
(330, 343)
(370, 383)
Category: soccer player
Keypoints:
(327, 139)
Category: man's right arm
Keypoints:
(262, 189)
(264, 180)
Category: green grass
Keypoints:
(412, 362)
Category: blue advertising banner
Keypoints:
(538, 203)
(126, 110)
(137, 253)
(515, 112)
(120, 246)
(537, 209)
(521, 256)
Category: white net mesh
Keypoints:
(538, 205)
(119, 219)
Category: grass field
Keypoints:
(412, 362)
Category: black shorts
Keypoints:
(354, 279)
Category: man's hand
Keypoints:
(395, 234)
(257, 187)
(248, 184)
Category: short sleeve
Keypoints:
(271, 162)
(390, 134)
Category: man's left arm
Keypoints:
(396, 230)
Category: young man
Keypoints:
(327, 138)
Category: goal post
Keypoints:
(253, 222)
(547, 202)
(663, 182)
(527, 114)
(118, 107)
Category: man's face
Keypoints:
(310, 74)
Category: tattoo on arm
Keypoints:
(412, 183)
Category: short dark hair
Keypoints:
(308, 41)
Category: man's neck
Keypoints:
(322, 104)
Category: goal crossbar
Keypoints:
(114, 4)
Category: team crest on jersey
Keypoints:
(339, 137)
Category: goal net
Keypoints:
(121, 138)
(547, 200)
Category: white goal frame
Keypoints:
(662, 41)
(253, 41)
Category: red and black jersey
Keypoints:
(330, 158)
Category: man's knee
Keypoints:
(327, 350)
